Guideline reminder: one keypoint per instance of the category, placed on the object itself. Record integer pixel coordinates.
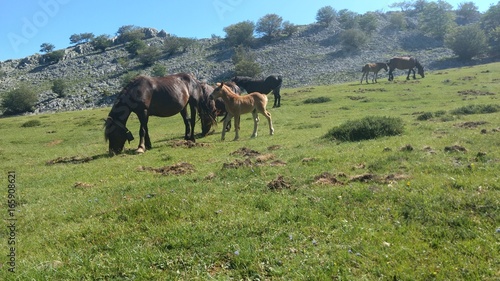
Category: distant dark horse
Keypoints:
(405, 63)
(220, 107)
(372, 67)
(271, 83)
(157, 96)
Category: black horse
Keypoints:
(263, 86)
(157, 96)
(405, 63)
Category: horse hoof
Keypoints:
(140, 150)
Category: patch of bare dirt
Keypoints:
(54, 143)
(260, 159)
(341, 178)
(176, 169)
(188, 144)
(364, 90)
(278, 184)
(245, 152)
(79, 184)
(455, 148)
(274, 147)
(363, 177)
(70, 160)
(471, 124)
(407, 147)
(237, 163)
(475, 93)
(327, 178)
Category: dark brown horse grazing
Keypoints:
(372, 67)
(157, 96)
(271, 83)
(405, 63)
(220, 107)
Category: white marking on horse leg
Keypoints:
(255, 123)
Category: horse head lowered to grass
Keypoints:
(157, 96)
(237, 105)
(405, 63)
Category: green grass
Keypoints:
(392, 208)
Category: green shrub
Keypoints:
(54, 57)
(370, 127)
(59, 87)
(159, 70)
(476, 109)
(31, 123)
(318, 100)
(425, 116)
(354, 38)
(149, 55)
(19, 100)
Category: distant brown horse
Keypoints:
(263, 86)
(236, 105)
(157, 96)
(372, 67)
(405, 63)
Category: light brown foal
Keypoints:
(237, 105)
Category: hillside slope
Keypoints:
(313, 56)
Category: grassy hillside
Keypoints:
(294, 206)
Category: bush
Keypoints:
(159, 70)
(54, 57)
(31, 123)
(240, 33)
(59, 87)
(269, 25)
(476, 109)
(149, 55)
(19, 100)
(247, 68)
(244, 63)
(135, 46)
(425, 116)
(174, 44)
(354, 38)
(367, 128)
(326, 16)
(101, 42)
(467, 41)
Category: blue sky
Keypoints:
(26, 24)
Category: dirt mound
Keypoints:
(188, 144)
(471, 124)
(475, 93)
(237, 163)
(245, 152)
(176, 169)
(327, 178)
(341, 178)
(260, 159)
(455, 148)
(70, 160)
(278, 184)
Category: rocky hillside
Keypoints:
(312, 56)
